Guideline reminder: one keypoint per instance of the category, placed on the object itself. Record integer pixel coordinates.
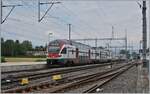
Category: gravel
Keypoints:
(125, 83)
(79, 73)
(84, 72)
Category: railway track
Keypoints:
(103, 76)
(34, 76)
(44, 68)
(97, 87)
(68, 83)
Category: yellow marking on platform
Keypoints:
(24, 81)
(56, 77)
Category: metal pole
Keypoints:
(140, 45)
(132, 49)
(126, 44)
(112, 32)
(0, 33)
(96, 47)
(115, 52)
(40, 18)
(96, 42)
(39, 11)
(144, 33)
(113, 37)
(49, 37)
(108, 49)
(69, 32)
(1, 14)
(48, 41)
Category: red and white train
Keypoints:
(65, 52)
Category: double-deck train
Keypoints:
(65, 52)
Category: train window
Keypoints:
(72, 51)
(54, 49)
(64, 51)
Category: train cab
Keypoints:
(60, 53)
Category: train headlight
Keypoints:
(59, 55)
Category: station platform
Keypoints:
(20, 63)
(18, 66)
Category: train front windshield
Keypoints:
(54, 49)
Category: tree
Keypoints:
(9, 48)
(39, 48)
(134, 55)
(17, 48)
(2, 46)
(124, 52)
(26, 46)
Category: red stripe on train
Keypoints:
(54, 55)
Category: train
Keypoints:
(65, 52)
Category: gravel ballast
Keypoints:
(124, 83)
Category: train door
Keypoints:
(89, 55)
(77, 55)
(77, 52)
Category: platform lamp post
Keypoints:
(49, 36)
(48, 41)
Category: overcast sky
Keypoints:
(89, 19)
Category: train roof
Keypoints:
(65, 41)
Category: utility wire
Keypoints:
(80, 20)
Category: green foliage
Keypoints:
(124, 52)
(40, 48)
(2, 59)
(11, 48)
(8, 48)
(25, 46)
(135, 55)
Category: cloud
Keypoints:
(89, 19)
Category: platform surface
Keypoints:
(20, 63)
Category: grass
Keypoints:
(19, 59)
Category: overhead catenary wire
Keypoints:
(83, 23)
(89, 26)
(26, 29)
(59, 19)
(74, 25)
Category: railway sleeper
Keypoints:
(87, 80)
(18, 91)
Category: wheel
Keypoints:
(69, 63)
